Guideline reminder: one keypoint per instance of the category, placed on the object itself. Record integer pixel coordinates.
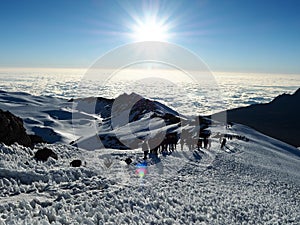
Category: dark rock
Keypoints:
(128, 161)
(35, 139)
(209, 167)
(12, 130)
(44, 154)
(76, 163)
(278, 119)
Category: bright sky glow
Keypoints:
(150, 30)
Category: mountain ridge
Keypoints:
(53, 119)
(278, 119)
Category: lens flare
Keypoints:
(141, 169)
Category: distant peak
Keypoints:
(297, 92)
(287, 97)
(132, 94)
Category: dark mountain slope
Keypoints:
(279, 119)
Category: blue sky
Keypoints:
(232, 36)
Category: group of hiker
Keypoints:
(155, 145)
(168, 144)
(239, 137)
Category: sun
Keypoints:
(150, 30)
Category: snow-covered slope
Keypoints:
(48, 117)
(83, 121)
(255, 182)
(248, 182)
(125, 121)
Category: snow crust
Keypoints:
(255, 182)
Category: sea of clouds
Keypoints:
(229, 90)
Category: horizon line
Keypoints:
(217, 72)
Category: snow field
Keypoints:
(246, 186)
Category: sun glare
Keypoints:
(150, 30)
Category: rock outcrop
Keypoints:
(44, 154)
(12, 130)
(76, 163)
(128, 161)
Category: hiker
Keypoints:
(221, 138)
(181, 143)
(170, 142)
(209, 143)
(223, 143)
(145, 149)
(205, 142)
(199, 144)
(189, 142)
(154, 145)
(173, 141)
(164, 145)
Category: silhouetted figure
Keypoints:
(209, 143)
(190, 143)
(155, 150)
(199, 144)
(223, 143)
(145, 149)
(186, 139)
(205, 142)
(181, 143)
(169, 142)
(172, 141)
(221, 138)
(165, 145)
(176, 139)
(154, 146)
